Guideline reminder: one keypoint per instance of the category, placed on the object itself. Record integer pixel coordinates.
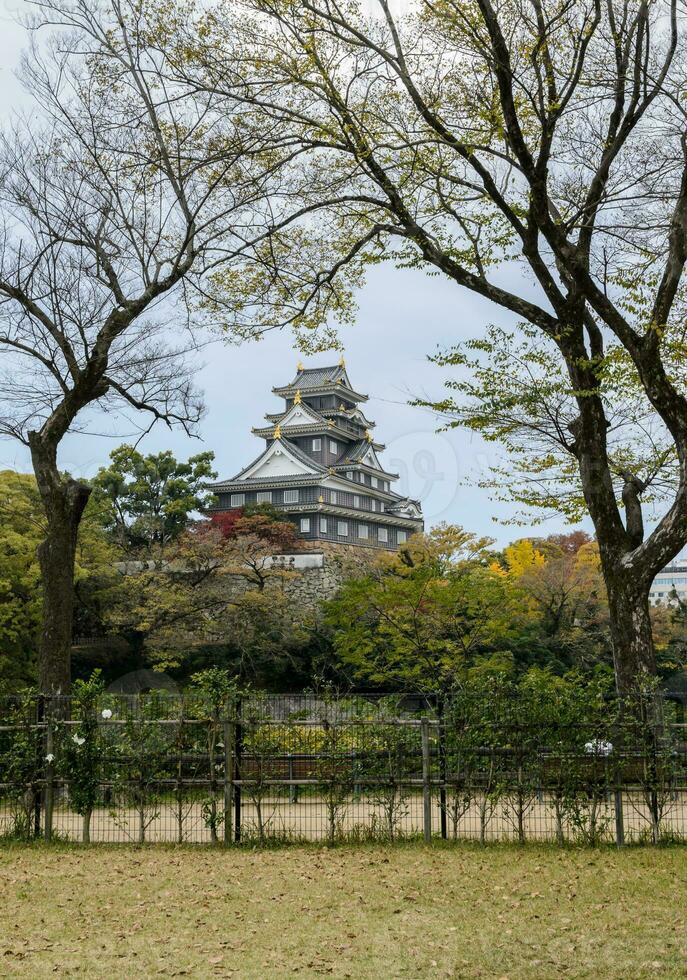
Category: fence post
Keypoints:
(426, 784)
(443, 805)
(293, 789)
(618, 803)
(38, 793)
(238, 739)
(49, 776)
(228, 776)
(619, 822)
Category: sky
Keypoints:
(404, 315)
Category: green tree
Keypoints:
(22, 528)
(420, 616)
(148, 500)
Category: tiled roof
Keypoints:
(404, 501)
(304, 407)
(292, 449)
(305, 478)
(356, 452)
(319, 379)
(314, 377)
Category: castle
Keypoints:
(321, 467)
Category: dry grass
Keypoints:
(375, 911)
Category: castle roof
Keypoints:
(316, 377)
(333, 378)
(295, 463)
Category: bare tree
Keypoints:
(546, 134)
(120, 195)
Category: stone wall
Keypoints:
(327, 567)
(309, 586)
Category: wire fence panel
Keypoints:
(261, 769)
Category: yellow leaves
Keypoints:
(522, 556)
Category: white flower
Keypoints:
(78, 740)
(50, 757)
(106, 713)
(598, 747)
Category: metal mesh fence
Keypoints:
(162, 768)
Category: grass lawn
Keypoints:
(373, 911)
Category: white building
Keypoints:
(672, 578)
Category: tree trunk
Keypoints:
(64, 500)
(86, 827)
(634, 656)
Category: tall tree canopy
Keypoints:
(118, 192)
(420, 617)
(535, 152)
(148, 500)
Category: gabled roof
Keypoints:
(301, 415)
(280, 459)
(363, 452)
(407, 507)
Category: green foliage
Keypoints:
(419, 617)
(22, 528)
(140, 752)
(21, 531)
(513, 389)
(83, 748)
(506, 736)
(149, 500)
(22, 764)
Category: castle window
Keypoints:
(382, 534)
(401, 537)
(323, 525)
(238, 499)
(373, 481)
(291, 496)
(381, 506)
(265, 497)
(342, 529)
(333, 446)
(332, 496)
(362, 531)
(356, 501)
(316, 445)
(305, 525)
(374, 504)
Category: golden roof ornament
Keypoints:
(342, 363)
(277, 432)
(368, 435)
(299, 366)
(330, 423)
(320, 499)
(297, 397)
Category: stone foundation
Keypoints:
(321, 572)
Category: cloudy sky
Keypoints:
(403, 316)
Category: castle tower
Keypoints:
(321, 467)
